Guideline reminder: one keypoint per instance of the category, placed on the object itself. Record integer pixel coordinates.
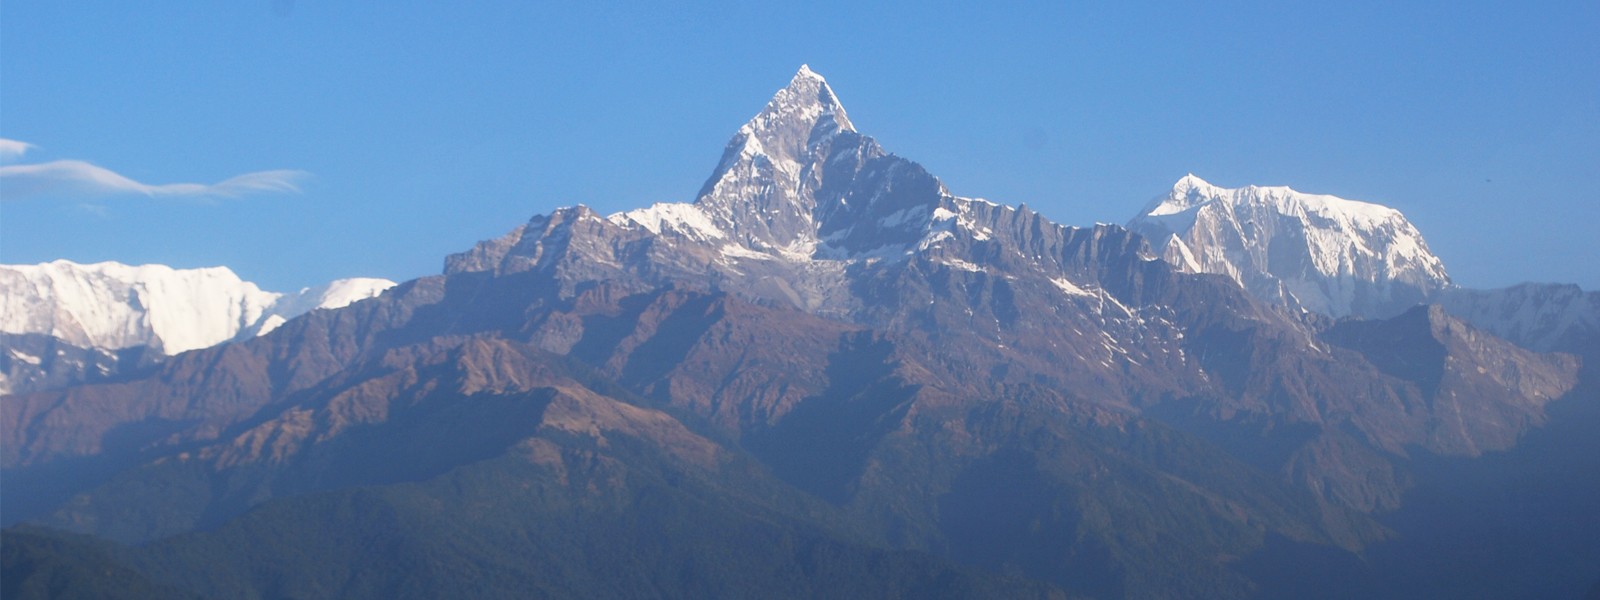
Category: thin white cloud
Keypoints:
(12, 149)
(77, 179)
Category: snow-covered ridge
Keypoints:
(111, 306)
(1333, 255)
(685, 219)
(338, 293)
(1191, 194)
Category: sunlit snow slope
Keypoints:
(1329, 254)
(111, 305)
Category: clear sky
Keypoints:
(375, 137)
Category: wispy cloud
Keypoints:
(76, 179)
(12, 149)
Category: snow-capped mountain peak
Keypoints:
(805, 71)
(798, 192)
(112, 306)
(794, 120)
(1191, 193)
(1332, 255)
(807, 102)
(338, 293)
(762, 191)
(1186, 193)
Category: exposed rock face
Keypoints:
(1542, 317)
(34, 362)
(1484, 391)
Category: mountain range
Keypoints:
(62, 322)
(828, 375)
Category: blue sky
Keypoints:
(376, 137)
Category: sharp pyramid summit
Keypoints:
(801, 115)
(797, 194)
(1327, 254)
(771, 166)
(798, 198)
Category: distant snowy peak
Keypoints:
(1187, 194)
(113, 306)
(1332, 255)
(338, 293)
(1192, 195)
